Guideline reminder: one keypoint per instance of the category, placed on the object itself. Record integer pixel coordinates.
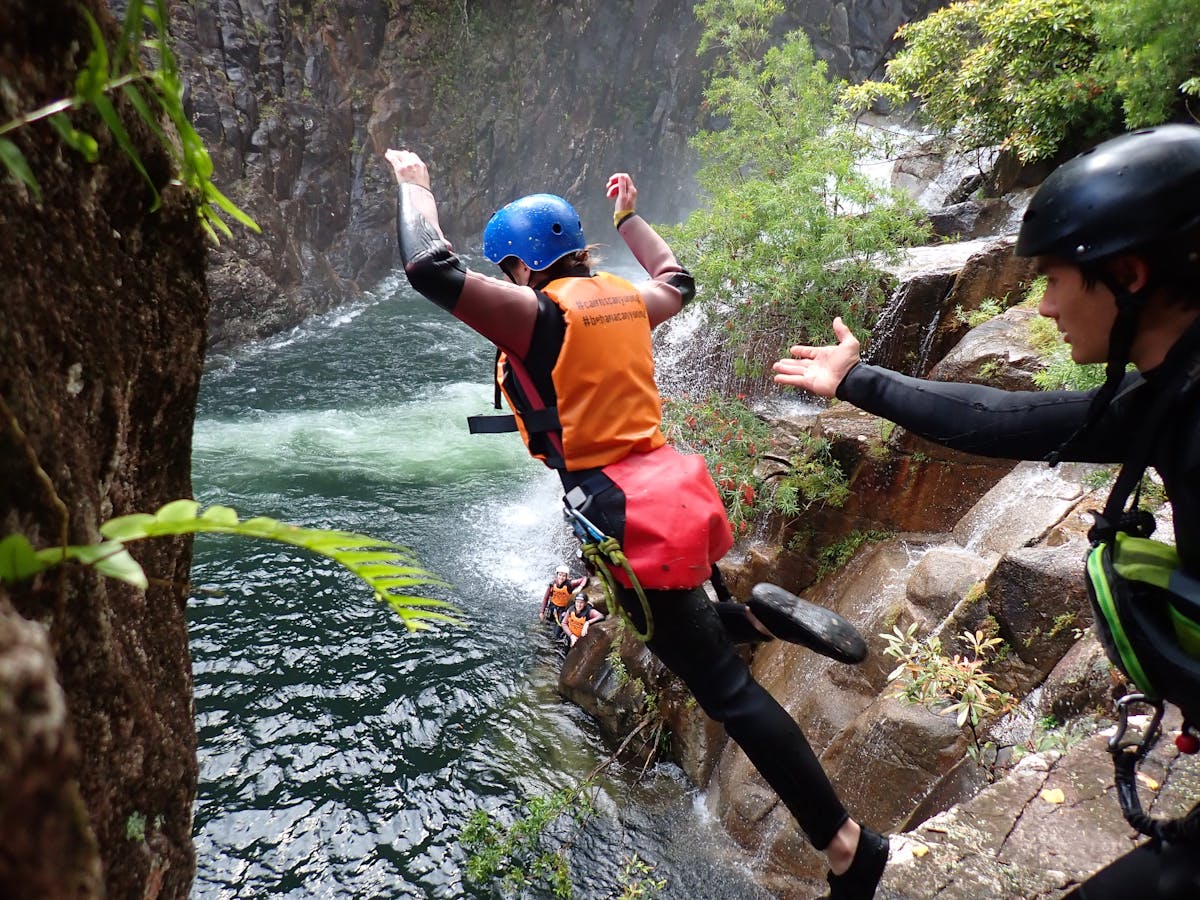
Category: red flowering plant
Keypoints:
(733, 440)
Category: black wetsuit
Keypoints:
(1030, 425)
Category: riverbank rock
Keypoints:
(1048, 824)
(938, 286)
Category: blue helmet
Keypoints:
(538, 230)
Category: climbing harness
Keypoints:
(1127, 754)
(600, 551)
(1146, 608)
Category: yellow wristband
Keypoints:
(619, 217)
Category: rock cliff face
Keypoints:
(101, 342)
(298, 100)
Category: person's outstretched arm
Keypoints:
(819, 370)
(671, 286)
(502, 312)
(969, 417)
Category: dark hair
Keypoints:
(568, 265)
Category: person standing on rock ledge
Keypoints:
(579, 619)
(597, 422)
(1116, 234)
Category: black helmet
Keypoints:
(1126, 193)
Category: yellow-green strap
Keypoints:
(1108, 607)
(1156, 563)
(599, 555)
(1141, 559)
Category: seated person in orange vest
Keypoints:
(579, 618)
(559, 594)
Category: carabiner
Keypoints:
(1140, 747)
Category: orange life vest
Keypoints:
(575, 623)
(560, 596)
(603, 379)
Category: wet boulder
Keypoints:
(600, 684)
(969, 219)
(942, 578)
(1083, 682)
(1051, 822)
(997, 353)
(1039, 601)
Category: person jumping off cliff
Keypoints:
(597, 423)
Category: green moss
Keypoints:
(977, 593)
(1061, 624)
(135, 827)
(836, 555)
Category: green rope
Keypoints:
(599, 554)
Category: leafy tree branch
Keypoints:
(389, 569)
(791, 229)
(1037, 76)
(104, 74)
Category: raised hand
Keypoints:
(408, 167)
(620, 189)
(820, 369)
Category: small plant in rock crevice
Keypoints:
(954, 684)
(973, 318)
(837, 554)
(1051, 735)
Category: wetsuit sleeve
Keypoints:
(502, 312)
(992, 422)
(432, 267)
(671, 286)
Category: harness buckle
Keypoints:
(582, 525)
(599, 547)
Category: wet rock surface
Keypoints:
(1048, 824)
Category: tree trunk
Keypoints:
(101, 344)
